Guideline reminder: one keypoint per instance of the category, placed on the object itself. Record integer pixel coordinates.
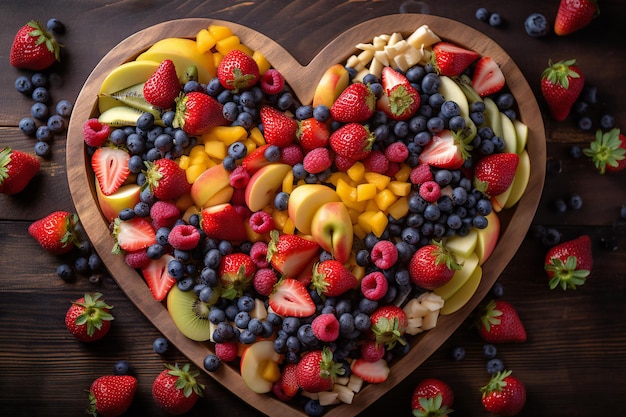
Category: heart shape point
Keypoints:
(303, 80)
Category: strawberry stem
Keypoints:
(606, 149)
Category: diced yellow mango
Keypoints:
(215, 149)
(196, 150)
(358, 206)
(358, 272)
(365, 220)
(358, 231)
(403, 173)
(400, 188)
(354, 214)
(250, 145)
(261, 61)
(399, 209)
(379, 180)
(379, 223)
(356, 171)
(217, 58)
(335, 176)
(228, 44)
(183, 161)
(228, 134)
(384, 199)
(204, 41)
(365, 192)
(289, 227)
(288, 183)
(257, 136)
(280, 218)
(220, 32)
(194, 172)
(345, 191)
(370, 205)
(199, 158)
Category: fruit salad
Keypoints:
(307, 242)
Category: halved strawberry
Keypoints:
(372, 372)
(223, 222)
(445, 150)
(400, 100)
(488, 77)
(255, 160)
(111, 168)
(132, 235)
(450, 59)
(157, 277)
(290, 254)
(291, 298)
(494, 173)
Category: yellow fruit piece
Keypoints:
(288, 183)
(194, 171)
(184, 202)
(269, 371)
(250, 145)
(403, 173)
(399, 188)
(190, 211)
(358, 231)
(385, 198)
(226, 134)
(183, 161)
(257, 136)
(379, 223)
(215, 149)
(228, 44)
(220, 32)
(195, 151)
(399, 209)
(217, 58)
(336, 176)
(345, 191)
(261, 61)
(356, 171)
(381, 181)
(204, 41)
(365, 221)
(280, 218)
(370, 205)
(365, 192)
(289, 226)
(358, 272)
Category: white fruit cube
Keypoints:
(355, 383)
(414, 309)
(345, 394)
(328, 398)
(430, 320)
(423, 36)
(365, 57)
(342, 380)
(394, 38)
(376, 67)
(382, 57)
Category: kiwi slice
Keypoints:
(190, 315)
(133, 96)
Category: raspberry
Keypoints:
(279, 391)
(137, 259)
(430, 191)
(376, 161)
(317, 160)
(393, 169)
(342, 163)
(264, 280)
(239, 177)
(397, 152)
(243, 211)
(374, 285)
(420, 174)
(261, 222)
(226, 351)
(384, 254)
(95, 133)
(164, 214)
(326, 327)
(272, 82)
(258, 253)
(372, 351)
(184, 237)
(292, 155)
(239, 197)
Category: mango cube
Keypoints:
(399, 188)
(194, 171)
(261, 61)
(399, 209)
(403, 173)
(219, 32)
(345, 191)
(204, 41)
(365, 191)
(215, 149)
(257, 136)
(379, 223)
(356, 171)
(230, 43)
(287, 185)
(379, 180)
(384, 199)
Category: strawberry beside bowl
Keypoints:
(303, 79)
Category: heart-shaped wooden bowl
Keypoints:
(303, 80)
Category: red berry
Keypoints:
(326, 327)
(239, 177)
(420, 174)
(137, 260)
(317, 160)
(376, 161)
(95, 133)
(226, 351)
(374, 285)
(372, 351)
(264, 280)
(430, 191)
(292, 155)
(164, 214)
(272, 81)
(384, 254)
(261, 222)
(258, 253)
(397, 152)
(343, 163)
(184, 237)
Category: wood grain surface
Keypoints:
(576, 338)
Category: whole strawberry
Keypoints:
(331, 278)
(500, 323)
(608, 151)
(388, 324)
(166, 179)
(176, 389)
(356, 103)
(569, 263)
(316, 371)
(197, 113)
(16, 170)
(494, 173)
(432, 266)
(352, 140)
(34, 48)
(162, 88)
(111, 395)
(432, 398)
(312, 134)
(278, 128)
(56, 232)
(237, 71)
(561, 84)
(574, 15)
(504, 395)
(89, 318)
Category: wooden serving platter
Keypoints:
(303, 79)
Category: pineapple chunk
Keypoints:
(204, 41)
(423, 36)
(345, 394)
(328, 397)
(376, 68)
(215, 149)
(399, 188)
(356, 171)
(399, 209)
(356, 383)
(379, 223)
(430, 320)
(380, 180)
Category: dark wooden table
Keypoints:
(575, 356)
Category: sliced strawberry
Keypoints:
(450, 59)
(157, 277)
(111, 168)
(445, 150)
(372, 372)
(290, 254)
(291, 298)
(223, 222)
(133, 235)
(255, 160)
(400, 100)
(488, 77)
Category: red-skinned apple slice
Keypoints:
(331, 228)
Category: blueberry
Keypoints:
(559, 205)
(281, 201)
(42, 148)
(56, 123)
(536, 25)
(237, 150)
(39, 111)
(211, 362)
(622, 213)
(551, 238)
(43, 133)
(321, 113)
(482, 14)
(495, 20)
(585, 123)
(607, 121)
(458, 353)
(28, 126)
(122, 368)
(272, 153)
(160, 345)
(55, 26)
(505, 101)
(65, 272)
(40, 94)
(39, 79)
(245, 303)
(313, 408)
(23, 84)
(489, 351)
(589, 94)
(494, 365)
(304, 112)
(575, 202)
(497, 290)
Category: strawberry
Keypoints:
(290, 254)
(504, 395)
(488, 77)
(111, 395)
(89, 318)
(288, 380)
(34, 48)
(500, 323)
(176, 389)
(166, 179)
(312, 134)
(162, 88)
(197, 113)
(356, 103)
(432, 266)
(608, 151)
(157, 277)
(400, 100)
(352, 140)
(291, 298)
(278, 128)
(388, 324)
(17, 168)
(445, 150)
(432, 398)
(56, 232)
(573, 15)
(450, 59)
(110, 165)
(316, 371)
(237, 71)
(223, 222)
(236, 272)
(372, 372)
(561, 84)
(331, 278)
(569, 263)
(132, 235)
(255, 160)
(494, 173)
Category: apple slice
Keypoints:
(492, 116)
(509, 134)
(522, 135)
(451, 91)
(460, 277)
(259, 366)
(464, 246)
(210, 184)
(304, 202)
(127, 196)
(264, 184)
(331, 228)
(488, 238)
(464, 294)
(520, 181)
(332, 83)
